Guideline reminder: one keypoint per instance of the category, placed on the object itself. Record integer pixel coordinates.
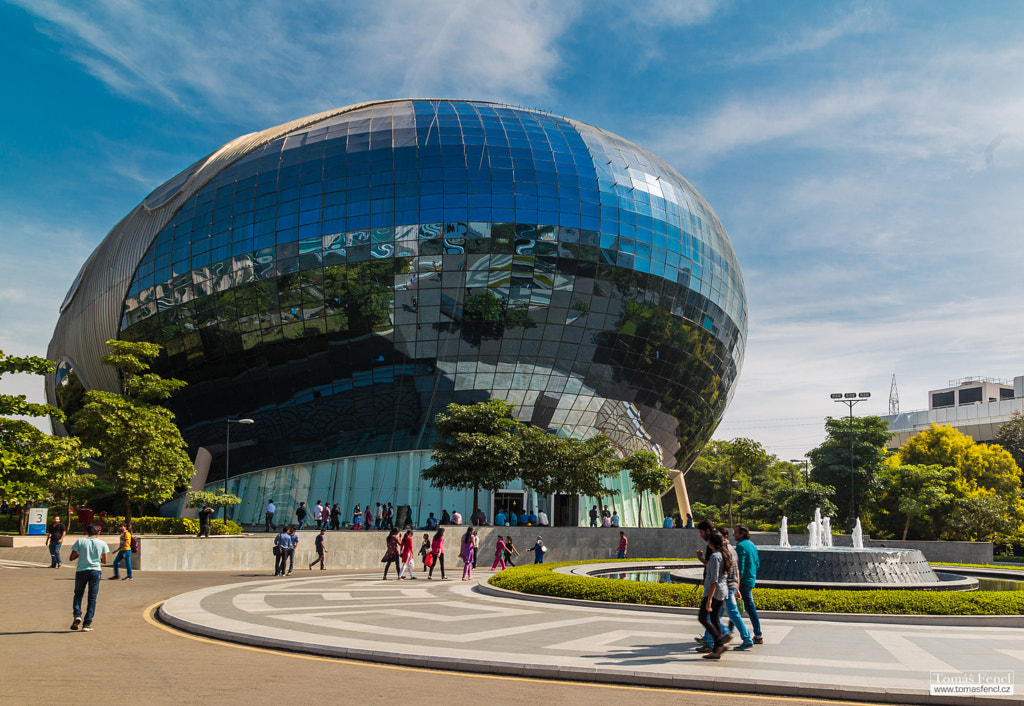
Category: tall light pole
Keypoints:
(850, 399)
(227, 453)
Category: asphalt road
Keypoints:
(132, 657)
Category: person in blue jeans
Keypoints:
(91, 553)
(749, 564)
(729, 604)
(124, 553)
(54, 539)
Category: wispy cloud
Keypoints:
(861, 20)
(277, 61)
(673, 13)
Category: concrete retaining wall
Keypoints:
(363, 550)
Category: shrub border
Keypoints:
(544, 581)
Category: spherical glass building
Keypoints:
(342, 278)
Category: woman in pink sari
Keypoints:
(499, 554)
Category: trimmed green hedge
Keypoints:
(168, 525)
(541, 580)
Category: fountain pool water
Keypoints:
(822, 565)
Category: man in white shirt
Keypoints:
(542, 519)
(91, 553)
(269, 514)
(318, 514)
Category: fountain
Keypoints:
(857, 537)
(822, 565)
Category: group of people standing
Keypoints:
(324, 516)
(728, 571)
(606, 517)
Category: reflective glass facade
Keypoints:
(342, 283)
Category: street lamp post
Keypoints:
(227, 454)
(850, 399)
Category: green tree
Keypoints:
(917, 492)
(982, 514)
(550, 464)
(217, 499)
(798, 503)
(1011, 437)
(145, 457)
(977, 465)
(985, 487)
(864, 449)
(476, 447)
(647, 475)
(64, 458)
(34, 466)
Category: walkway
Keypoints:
(454, 625)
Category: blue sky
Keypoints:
(865, 157)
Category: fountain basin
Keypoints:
(846, 568)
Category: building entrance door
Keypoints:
(567, 511)
(509, 501)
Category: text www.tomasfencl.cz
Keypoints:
(971, 683)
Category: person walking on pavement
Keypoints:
(205, 517)
(407, 554)
(318, 514)
(539, 550)
(325, 516)
(300, 515)
(268, 514)
(124, 553)
(499, 554)
(357, 518)
(392, 554)
(336, 517)
(424, 550)
(715, 592)
(467, 552)
(623, 543)
(437, 551)
(282, 543)
(749, 563)
(321, 550)
(91, 553)
(510, 551)
(54, 538)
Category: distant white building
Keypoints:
(975, 406)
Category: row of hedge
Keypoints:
(169, 525)
(542, 580)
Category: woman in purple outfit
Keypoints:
(467, 553)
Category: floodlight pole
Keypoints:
(850, 399)
(227, 453)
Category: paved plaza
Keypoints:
(456, 625)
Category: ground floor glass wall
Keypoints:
(395, 478)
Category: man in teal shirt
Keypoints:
(91, 553)
(749, 562)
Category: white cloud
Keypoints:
(674, 13)
(861, 20)
(260, 61)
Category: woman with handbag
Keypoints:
(392, 554)
(407, 562)
(425, 552)
(437, 552)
